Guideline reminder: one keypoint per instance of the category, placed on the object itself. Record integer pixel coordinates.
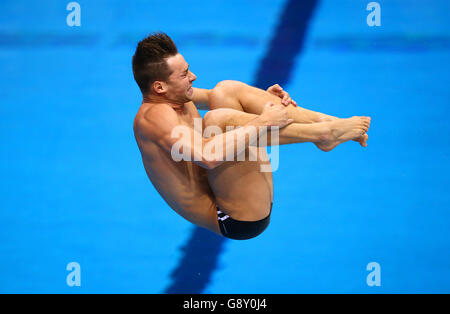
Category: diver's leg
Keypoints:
(326, 135)
(240, 96)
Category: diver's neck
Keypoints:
(153, 99)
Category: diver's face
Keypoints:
(180, 81)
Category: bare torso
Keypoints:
(239, 189)
(183, 185)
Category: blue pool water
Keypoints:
(73, 187)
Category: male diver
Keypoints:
(231, 198)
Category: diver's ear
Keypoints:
(159, 87)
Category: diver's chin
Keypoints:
(189, 95)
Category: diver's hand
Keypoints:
(277, 90)
(275, 115)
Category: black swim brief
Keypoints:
(241, 230)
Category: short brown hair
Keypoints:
(149, 60)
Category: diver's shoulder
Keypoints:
(153, 111)
(159, 116)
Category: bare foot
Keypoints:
(344, 130)
(362, 140)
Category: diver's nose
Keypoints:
(193, 77)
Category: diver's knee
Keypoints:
(212, 117)
(226, 94)
(227, 87)
(217, 117)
